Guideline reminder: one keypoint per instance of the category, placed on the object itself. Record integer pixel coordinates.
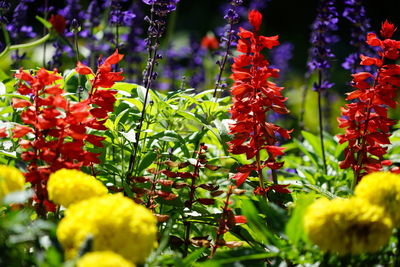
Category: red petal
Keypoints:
(20, 131)
(240, 219)
(114, 58)
(83, 69)
(240, 177)
(20, 103)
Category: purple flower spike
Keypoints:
(162, 7)
(17, 27)
(322, 39)
(355, 13)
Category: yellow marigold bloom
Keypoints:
(103, 259)
(382, 189)
(347, 226)
(115, 222)
(11, 179)
(70, 186)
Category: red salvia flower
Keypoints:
(209, 42)
(58, 22)
(253, 97)
(55, 134)
(365, 120)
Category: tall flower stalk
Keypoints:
(355, 13)
(227, 40)
(366, 118)
(253, 97)
(321, 54)
(159, 11)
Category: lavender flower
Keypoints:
(17, 27)
(4, 7)
(162, 7)
(322, 39)
(119, 17)
(355, 13)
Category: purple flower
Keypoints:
(322, 36)
(17, 27)
(162, 7)
(322, 39)
(119, 17)
(355, 13)
(4, 7)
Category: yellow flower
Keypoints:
(382, 189)
(11, 179)
(66, 187)
(347, 226)
(103, 259)
(115, 222)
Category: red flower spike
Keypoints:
(60, 126)
(365, 120)
(253, 97)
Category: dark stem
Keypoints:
(149, 73)
(361, 152)
(222, 223)
(223, 62)
(191, 201)
(77, 60)
(46, 6)
(221, 71)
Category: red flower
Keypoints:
(104, 77)
(59, 126)
(366, 118)
(58, 22)
(253, 97)
(3, 132)
(209, 42)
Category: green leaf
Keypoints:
(193, 257)
(45, 23)
(147, 160)
(239, 257)
(314, 141)
(294, 228)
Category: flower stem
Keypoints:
(10, 48)
(321, 126)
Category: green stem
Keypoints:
(10, 48)
(321, 127)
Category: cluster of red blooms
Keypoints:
(366, 118)
(253, 97)
(56, 132)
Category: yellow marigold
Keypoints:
(103, 259)
(347, 226)
(115, 222)
(382, 189)
(66, 187)
(11, 179)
